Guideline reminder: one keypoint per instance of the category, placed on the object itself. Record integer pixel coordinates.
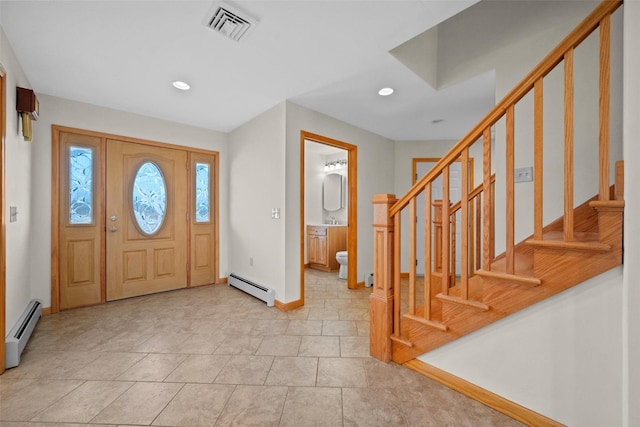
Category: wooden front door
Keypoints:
(117, 236)
(146, 219)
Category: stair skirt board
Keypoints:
(18, 336)
(261, 292)
(479, 394)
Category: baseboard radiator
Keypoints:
(267, 295)
(18, 336)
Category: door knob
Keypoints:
(113, 218)
(113, 229)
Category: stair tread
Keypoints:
(523, 269)
(517, 277)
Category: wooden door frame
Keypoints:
(3, 247)
(352, 203)
(55, 201)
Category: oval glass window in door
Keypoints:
(149, 197)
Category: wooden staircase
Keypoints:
(410, 314)
(542, 268)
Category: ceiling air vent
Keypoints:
(229, 22)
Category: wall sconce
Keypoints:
(334, 165)
(28, 107)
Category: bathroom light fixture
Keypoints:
(181, 85)
(385, 91)
(335, 164)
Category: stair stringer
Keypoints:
(558, 269)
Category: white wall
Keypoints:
(475, 40)
(375, 175)
(630, 287)
(313, 171)
(314, 174)
(18, 163)
(64, 112)
(257, 185)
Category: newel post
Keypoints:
(381, 300)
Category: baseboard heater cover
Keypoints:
(267, 295)
(19, 335)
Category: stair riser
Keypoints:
(560, 271)
(610, 223)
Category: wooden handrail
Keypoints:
(556, 56)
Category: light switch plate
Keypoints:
(13, 213)
(524, 174)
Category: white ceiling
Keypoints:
(330, 56)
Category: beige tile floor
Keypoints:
(215, 356)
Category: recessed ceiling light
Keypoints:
(181, 85)
(385, 91)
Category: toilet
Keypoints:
(341, 257)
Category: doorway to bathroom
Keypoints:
(328, 207)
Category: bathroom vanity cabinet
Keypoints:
(323, 241)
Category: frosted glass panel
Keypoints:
(80, 185)
(202, 192)
(149, 198)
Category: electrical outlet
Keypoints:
(524, 174)
(251, 261)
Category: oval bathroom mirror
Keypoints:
(332, 192)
